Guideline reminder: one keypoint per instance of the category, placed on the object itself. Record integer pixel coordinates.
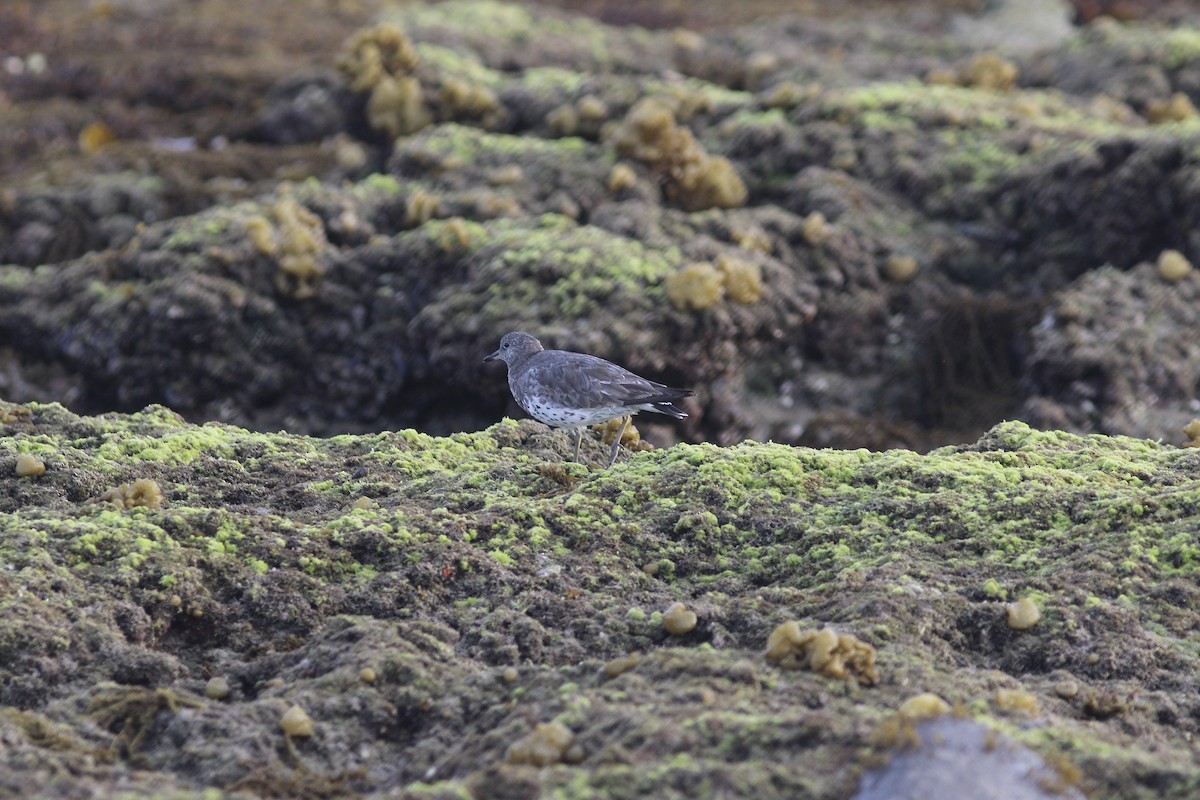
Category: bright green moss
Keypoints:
(551, 81)
(380, 183)
(471, 145)
(452, 64)
(172, 449)
(502, 558)
(1182, 47)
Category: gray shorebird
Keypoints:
(571, 390)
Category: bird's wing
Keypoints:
(590, 382)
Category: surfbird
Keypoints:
(571, 390)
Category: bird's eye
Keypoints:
(504, 345)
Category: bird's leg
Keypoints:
(578, 439)
(616, 445)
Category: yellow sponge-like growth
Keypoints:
(142, 493)
(296, 241)
(373, 54)
(692, 179)
(696, 286)
(545, 745)
(743, 279)
(381, 60)
(702, 285)
(825, 651)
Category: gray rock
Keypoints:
(959, 758)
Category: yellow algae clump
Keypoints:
(296, 722)
(381, 60)
(563, 121)
(924, 706)
(1009, 700)
(464, 100)
(622, 664)
(1023, 614)
(367, 675)
(142, 493)
(29, 467)
(900, 269)
(96, 136)
(989, 71)
(261, 234)
(420, 207)
(678, 620)
(586, 118)
(816, 229)
(296, 241)
(1173, 266)
(1192, 431)
(372, 54)
(1177, 108)
(621, 177)
(301, 238)
(696, 287)
(506, 176)
(592, 108)
(454, 235)
(397, 107)
(543, 746)
(631, 439)
(825, 651)
(752, 239)
(217, 688)
(743, 279)
(15, 414)
(692, 179)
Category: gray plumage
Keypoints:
(571, 390)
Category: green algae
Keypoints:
(519, 28)
(552, 81)
(378, 183)
(912, 104)
(471, 145)
(706, 95)
(450, 63)
(1182, 47)
(566, 269)
(15, 279)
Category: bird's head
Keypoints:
(514, 347)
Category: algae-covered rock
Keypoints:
(264, 571)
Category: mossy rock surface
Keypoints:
(289, 564)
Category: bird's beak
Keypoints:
(492, 357)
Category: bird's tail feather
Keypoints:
(669, 410)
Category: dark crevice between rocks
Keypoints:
(969, 363)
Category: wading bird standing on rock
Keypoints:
(571, 390)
